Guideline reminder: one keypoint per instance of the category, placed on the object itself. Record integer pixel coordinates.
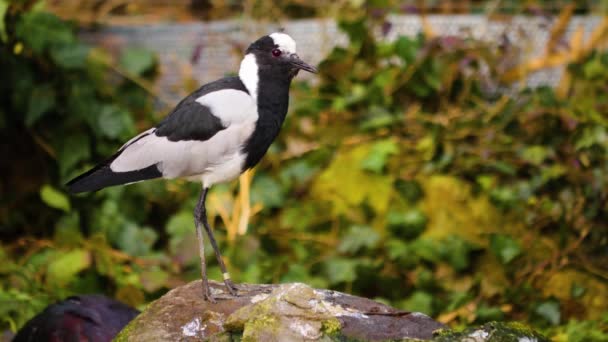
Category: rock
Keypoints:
(285, 312)
(492, 332)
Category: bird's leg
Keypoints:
(198, 213)
(229, 284)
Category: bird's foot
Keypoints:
(233, 289)
(207, 296)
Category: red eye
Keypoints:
(276, 52)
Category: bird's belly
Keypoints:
(227, 170)
(213, 161)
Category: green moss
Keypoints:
(518, 327)
(497, 332)
(123, 335)
(256, 329)
(331, 326)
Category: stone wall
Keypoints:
(209, 50)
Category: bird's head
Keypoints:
(276, 53)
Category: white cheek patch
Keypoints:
(248, 73)
(284, 41)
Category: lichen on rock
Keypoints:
(285, 312)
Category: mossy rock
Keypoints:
(285, 312)
(492, 332)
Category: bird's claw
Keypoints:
(231, 287)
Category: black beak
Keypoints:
(300, 64)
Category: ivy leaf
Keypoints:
(54, 198)
(137, 60)
(135, 240)
(154, 279)
(378, 155)
(550, 311)
(40, 30)
(409, 190)
(74, 148)
(419, 301)
(41, 101)
(340, 270)
(70, 56)
(535, 155)
(504, 247)
(358, 237)
(267, 191)
(408, 224)
(406, 48)
(591, 136)
(456, 251)
(113, 121)
(66, 265)
(3, 7)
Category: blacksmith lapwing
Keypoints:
(213, 135)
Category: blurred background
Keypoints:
(451, 157)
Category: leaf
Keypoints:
(402, 253)
(154, 279)
(136, 241)
(67, 230)
(340, 270)
(70, 56)
(297, 172)
(486, 313)
(419, 301)
(345, 186)
(113, 121)
(406, 224)
(183, 245)
(550, 311)
(137, 60)
(425, 249)
(66, 265)
(594, 69)
(267, 191)
(74, 148)
(504, 247)
(378, 155)
(504, 197)
(407, 48)
(535, 155)
(40, 30)
(41, 100)
(54, 198)
(3, 7)
(456, 251)
(409, 190)
(358, 237)
(594, 135)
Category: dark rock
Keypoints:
(93, 318)
(285, 312)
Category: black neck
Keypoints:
(273, 100)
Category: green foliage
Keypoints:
(420, 183)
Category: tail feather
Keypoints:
(102, 176)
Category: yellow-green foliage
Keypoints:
(404, 174)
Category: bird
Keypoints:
(212, 136)
(92, 318)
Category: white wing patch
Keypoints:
(230, 105)
(213, 161)
(136, 137)
(284, 41)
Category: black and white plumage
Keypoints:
(213, 135)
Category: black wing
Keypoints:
(193, 121)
